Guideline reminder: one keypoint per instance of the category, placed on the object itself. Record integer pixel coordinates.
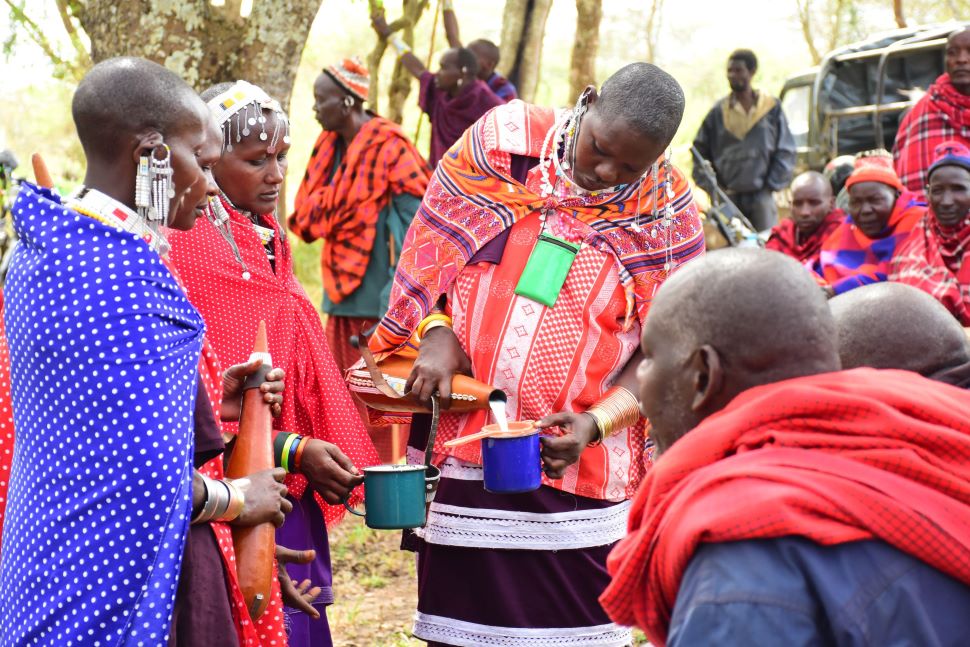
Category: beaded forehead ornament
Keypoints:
(239, 111)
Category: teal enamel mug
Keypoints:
(394, 496)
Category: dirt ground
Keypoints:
(374, 586)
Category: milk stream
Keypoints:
(498, 412)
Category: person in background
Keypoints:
(745, 137)
(485, 51)
(237, 267)
(893, 325)
(881, 215)
(362, 186)
(813, 217)
(453, 98)
(791, 503)
(941, 115)
(933, 257)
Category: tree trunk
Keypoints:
(805, 20)
(653, 29)
(400, 87)
(202, 43)
(898, 13)
(523, 28)
(582, 66)
(513, 26)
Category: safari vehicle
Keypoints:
(853, 101)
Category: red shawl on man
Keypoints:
(340, 198)
(834, 458)
(942, 114)
(786, 238)
(932, 259)
(316, 401)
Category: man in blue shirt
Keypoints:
(792, 503)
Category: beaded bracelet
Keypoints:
(285, 455)
(617, 410)
(279, 444)
(298, 458)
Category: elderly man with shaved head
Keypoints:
(942, 114)
(792, 503)
(893, 325)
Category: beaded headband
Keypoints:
(242, 106)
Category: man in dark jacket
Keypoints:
(745, 136)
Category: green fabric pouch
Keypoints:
(547, 268)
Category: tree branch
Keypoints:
(36, 34)
(805, 18)
(83, 56)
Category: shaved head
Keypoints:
(649, 100)
(123, 97)
(812, 179)
(892, 325)
(733, 320)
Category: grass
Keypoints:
(375, 586)
(306, 266)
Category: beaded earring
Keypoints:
(162, 189)
(219, 217)
(153, 187)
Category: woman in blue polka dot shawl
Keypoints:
(105, 355)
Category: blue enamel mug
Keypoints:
(511, 460)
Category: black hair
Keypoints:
(647, 98)
(489, 48)
(747, 57)
(123, 96)
(467, 60)
(214, 91)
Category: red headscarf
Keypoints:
(835, 458)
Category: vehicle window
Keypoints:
(795, 103)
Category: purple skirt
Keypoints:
(303, 529)
(513, 569)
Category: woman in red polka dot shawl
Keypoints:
(237, 268)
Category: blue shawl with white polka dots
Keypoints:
(104, 353)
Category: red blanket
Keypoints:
(834, 458)
(785, 238)
(6, 419)
(343, 193)
(932, 259)
(943, 114)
